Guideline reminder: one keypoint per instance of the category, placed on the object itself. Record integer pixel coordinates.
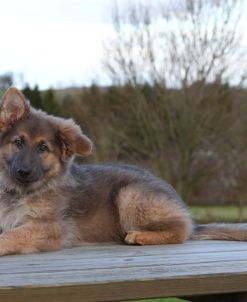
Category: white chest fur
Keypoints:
(11, 216)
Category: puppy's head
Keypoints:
(35, 148)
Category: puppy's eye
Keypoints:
(43, 148)
(19, 142)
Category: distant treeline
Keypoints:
(194, 138)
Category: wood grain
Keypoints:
(120, 272)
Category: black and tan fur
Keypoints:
(48, 202)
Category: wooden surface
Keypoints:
(120, 272)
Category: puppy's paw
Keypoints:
(136, 237)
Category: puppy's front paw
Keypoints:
(135, 237)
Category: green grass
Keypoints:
(205, 214)
(160, 300)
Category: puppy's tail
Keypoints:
(220, 231)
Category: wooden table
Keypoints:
(121, 272)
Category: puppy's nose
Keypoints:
(24, 172)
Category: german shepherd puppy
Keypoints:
(48, 202)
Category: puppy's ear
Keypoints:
(73, 140)
(13, 107)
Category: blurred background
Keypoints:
(161, 84)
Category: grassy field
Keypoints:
(206, 214)
(161, 300)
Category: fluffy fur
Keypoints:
(48, 202)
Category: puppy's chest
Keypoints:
(12, 214)
(15, 211)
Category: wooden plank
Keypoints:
(115, 272)
(119, 291)
(74, 265)
(111, 275)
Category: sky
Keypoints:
(56, 43)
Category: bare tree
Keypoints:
(187, 52)
(177, 43)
